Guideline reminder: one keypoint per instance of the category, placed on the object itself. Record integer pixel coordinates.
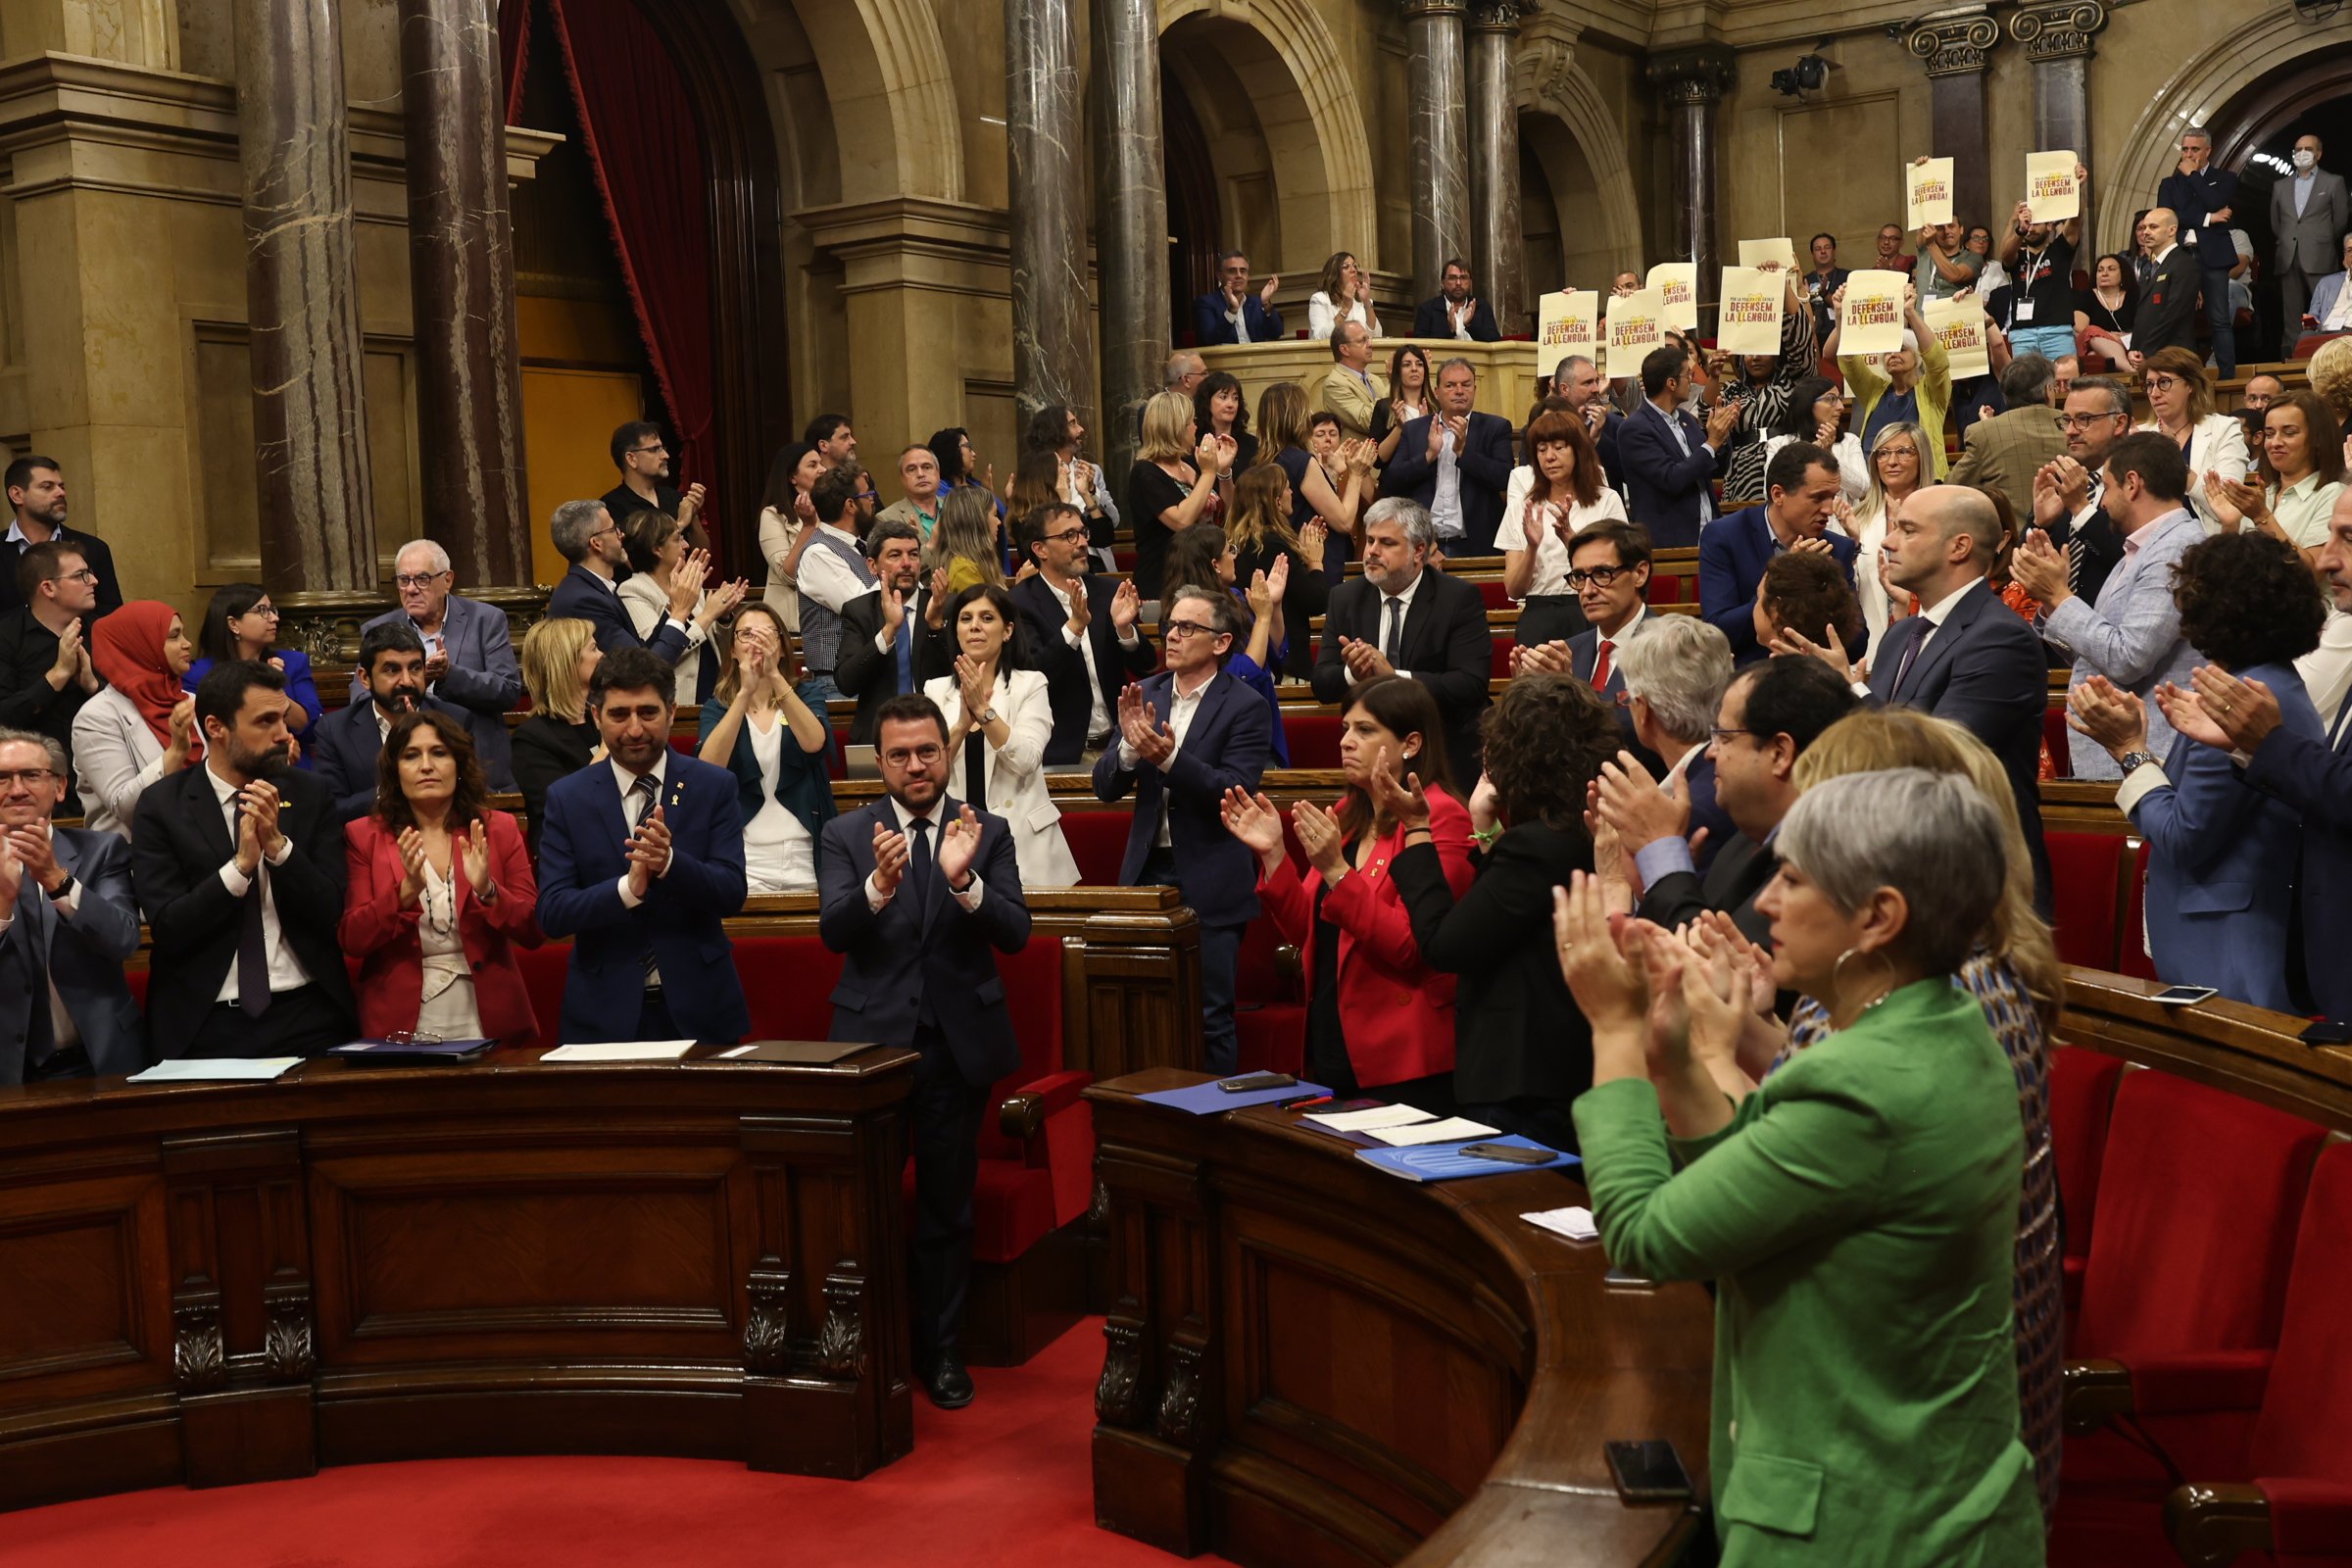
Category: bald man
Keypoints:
(2168, 290)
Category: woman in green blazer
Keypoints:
(1857, 1212)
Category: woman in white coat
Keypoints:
(998, 719)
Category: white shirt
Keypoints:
(1183, 705)
(1446, 505)
(286, 972)
(1099, 724)
(1611, 643)
(1323, 316)
(877, 901)
(1551, 550)
(824, 576)
(627, 782)
(1933, 615)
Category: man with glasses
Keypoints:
(643, 457)
(468, 652)
(68, 922)
(919, 892)
(37, 493)
(1187, 736)
(1080, 630)
(1609, 571)
(2202, 196)
(1230, 313)
(2068, 500)
(1404, 617)
(1891, 256)
(45, 673)
(585, 534)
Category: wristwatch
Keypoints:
(988, 718)
(2134, 759)
(62, 890)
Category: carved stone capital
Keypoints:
(1696, 76)
(1954, 45)
(841, 1341)
(767, 1332)
(1496, 16)
(2058, 30)
(1431, 10)
(287, 1350)
(1118, 1393)
(199, 1354)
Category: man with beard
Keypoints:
(915, 890)
(893, 636)
(238, 865)
(1453, 313)
(37, 493)
(1406, 617)
(468, 652)
(344, 750)
(2069, 502)
(639, 864)
(643, 457)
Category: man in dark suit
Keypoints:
(1079, 629)
(37, 493)
(1453, 313)
(894, 636)
(347, 743)
(68, 922)
(2068, 504)
(2168, 292)
(2309, 213)
(468, 652)
(1230, 313)
(639, 864)
(1771, 713)
(45, 671)
(1185, 736)
(916, 890)
(1456, 463)
(2205, 199)
(1402, 617)
(1608, 566)
(1665, 459)
(586, 535)
(238, 863)
(1800, 487)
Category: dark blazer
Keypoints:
(1210, 326)
(1486, 470)
(1662, 485)
(1447, 647)
(1517, 1032)
(872, 676)
(1582, 648)
(1226, 748)
(911, 965)
(483, 678)
(2315, 780)
(680, 925)
(546, 749)
(27, 652)
(179, 841)
(1431, 320)
(94, 555)
(1730, 884)
(1699, 782)
(2102, 549)
(382, 935)
(2193, 198)
(343, 749)
(1731, 558)
(1610, 444)
(584, 595)
(1043, 623)
(2167, 305)
(802, 785)
(85, 957)
(1985, 671)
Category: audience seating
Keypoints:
(1314, 737)
(1097, 840)
(2082, 1099)
(2054, 740)
(2132, 943)
(2086, 895)
(1269, 1016)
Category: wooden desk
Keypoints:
(228, 1283)
(1313, 1363)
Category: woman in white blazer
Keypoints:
(1003, 716)
(2182, 400)
(657, 550)
(142, 724)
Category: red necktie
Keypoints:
(1600, 666)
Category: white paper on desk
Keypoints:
(621, 1050)
(1453, 1129)
(1572, 1222)
(1364, 1121)
(216, 1069)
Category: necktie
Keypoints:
(253, 947)
(40, 1030)
(1910, 653)
(1392, 644)
(903, 647)
(2335, 737)
(920, 864)
(642, 796)
(1600, 665)
(975, 768)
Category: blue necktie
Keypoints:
(905, 648)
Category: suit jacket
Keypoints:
(86, 954)
(27, 652)
(1447, 646)
(179, 843)
(1210, 326)
(2193, 198)
(1582, 648)
(1227, 747)
(1699, 782)
(2132, 635)
(1486, 473)
(1608, 444)
(1517, 1032)
(344, 749)
(2168, 305)
(2311, 243)
(1017, 776)
(2218, 906)
(382, 935)
(872, 676)
(95, 554)
(1663, 483)
(2324, 295)
(584, 595)
(1731, 557)
(1433, 319)
(2096, 542)
(917, 962)
(2006, 450)
(1741, 868)
(546, 749)
(1983, 670)
(2315, 780)
(680, 925)
(483, 678)
(1350, 401)
(1048, 651)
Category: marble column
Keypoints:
(318, 508)
(1437, 77)
(1693, 82)
(2059, 38)
(1954, 48)
(1131, 225)
(1499, 262)
(1046, 206)
(461, 289)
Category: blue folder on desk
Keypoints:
(1443, 1162)
(1207, 1099)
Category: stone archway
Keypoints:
(1566, 135)
(888, 91)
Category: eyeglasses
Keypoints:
(1598, 576)
(33, 777)
(640, 452)
(85, 575)
(416, 579)
(1188, 628)
(1721, 734)
(1065, 536)
(2084, 421)
(2160, 384)
(901, 757)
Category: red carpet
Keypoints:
(1003, 1482)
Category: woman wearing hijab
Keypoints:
(143, 724)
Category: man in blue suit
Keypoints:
(916, 890)
(1230, 313)
(1456, 463)
(1185, 736)
(68, 922)
(1665, 459)
(586, 535)
(639, 864)
(469, 653)
(345, 745)
(1800, 486)
(2204, 199)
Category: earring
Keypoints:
(1838, 982)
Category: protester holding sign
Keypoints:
(1762, 379)
(2039, 253)
(1913, 384)
(1677, 286)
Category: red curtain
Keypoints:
(515, 52)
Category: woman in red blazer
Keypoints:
(439, 893)
(1377, 1018)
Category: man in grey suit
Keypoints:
(2308, 213)
(68, 921)
(468, 656)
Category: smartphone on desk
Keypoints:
(2328, 1032)
(2184, 996)
(1256, 1080)
(1510, 1154)
(1649, 1471)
